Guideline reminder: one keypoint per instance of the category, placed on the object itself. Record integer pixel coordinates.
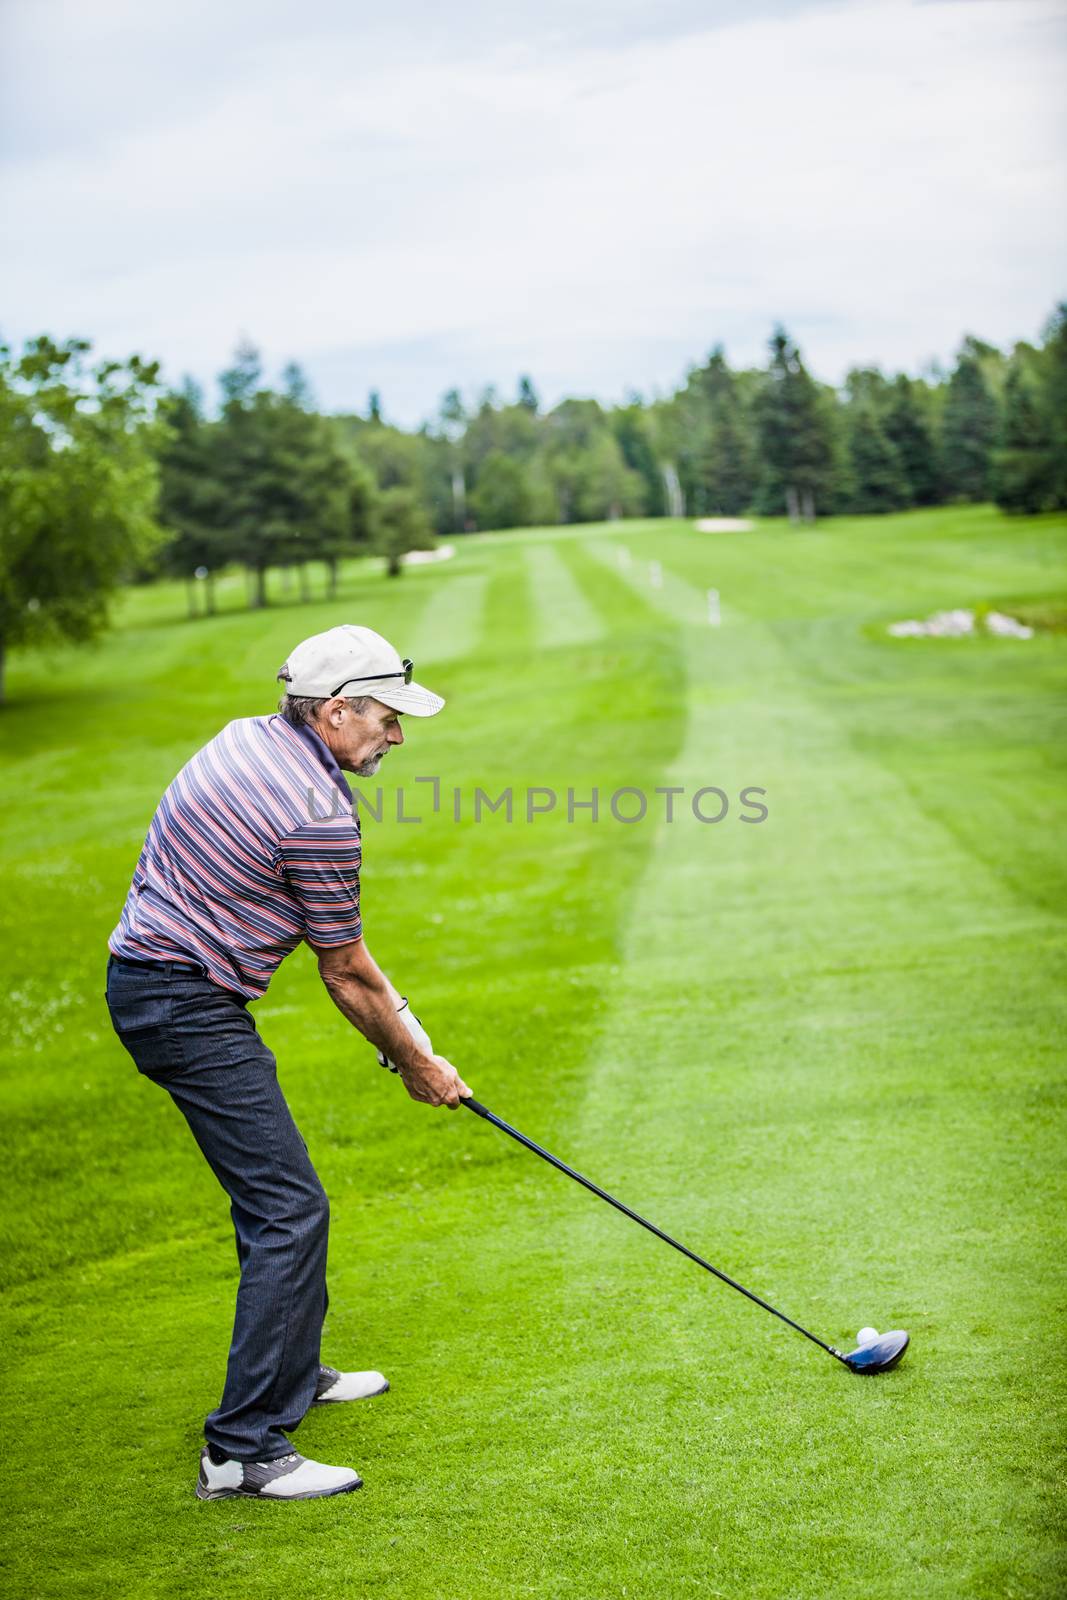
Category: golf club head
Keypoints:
(881, 1355)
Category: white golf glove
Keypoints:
(416, 1030)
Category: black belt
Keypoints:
(195, 968)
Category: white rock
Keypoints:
(960, 623)
(1007, 627)
(951, 624)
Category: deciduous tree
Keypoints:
(78, 487)
(501, 497)
(400, 525)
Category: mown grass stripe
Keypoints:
(674, 596)
(564, 615)
(607, 592)
(452, 618)
(509, 620)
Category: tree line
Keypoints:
(771, 441)
(269, 483)
(106, 474)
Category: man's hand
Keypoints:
(435, 1082)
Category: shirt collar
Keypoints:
(324, 755)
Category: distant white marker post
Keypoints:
(714, 609)
(655, 574)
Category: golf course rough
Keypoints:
(824, 1050)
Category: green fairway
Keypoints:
(825, 1050)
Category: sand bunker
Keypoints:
(724, 525)
(416, 558)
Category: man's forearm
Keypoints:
(362, 993)
(370, 1003)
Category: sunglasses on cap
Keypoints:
(379, 677)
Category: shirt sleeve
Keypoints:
(320, 862)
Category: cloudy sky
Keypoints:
(411, 196)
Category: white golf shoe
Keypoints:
(290, 1477)
(334, 1385)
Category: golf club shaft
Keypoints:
(587, 1183)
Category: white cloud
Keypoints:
(881, 175)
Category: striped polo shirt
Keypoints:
(253, 847)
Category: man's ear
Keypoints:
(333, 710)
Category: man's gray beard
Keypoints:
(369, 768)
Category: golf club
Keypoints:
(877, 1355)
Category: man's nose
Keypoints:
(396, 734)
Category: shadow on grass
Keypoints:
(232, 597)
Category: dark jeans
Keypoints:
(198, 1041)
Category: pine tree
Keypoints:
(241, 381)
(715, 458)
(295, 386)
(968, 430)
(1022, 473)
(327, 493)
(795, 436)
(1054, 401)
(878, 481)
(713, 381)
(726, 466)
(190, 502)
(252, 524)
(283, 488)
(528, 396)
(452, 427)
(908, 429)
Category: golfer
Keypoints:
(253, 848)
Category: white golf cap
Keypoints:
(355, 661)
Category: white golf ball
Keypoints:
(867, 1336)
